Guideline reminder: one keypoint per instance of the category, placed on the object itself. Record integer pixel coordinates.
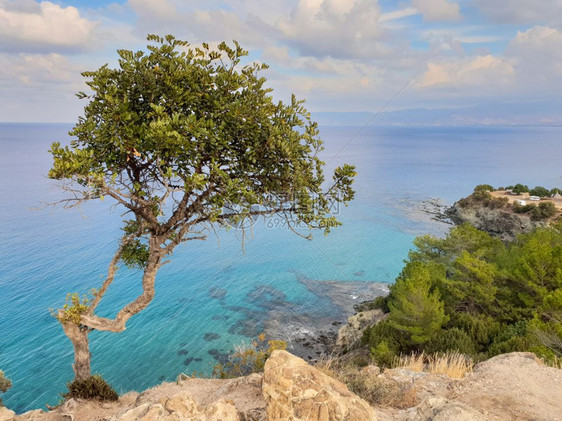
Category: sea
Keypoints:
(219, 294)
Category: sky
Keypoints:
(445, 61)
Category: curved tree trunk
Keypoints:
(79, 337)
(78, 333)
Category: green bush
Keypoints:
(540, 191)
(5, 384)
(382, 354)
(520, 188)
(483, 188)
(94, 387)
(544, 210)
(482, 196)
(517, 208)
(451, 340)
(498, 202)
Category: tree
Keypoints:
(415, 307)
(540, 191)
(186, 140)
(520, 188)
(483, 188)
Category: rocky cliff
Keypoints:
(498, 222)
(514, 386)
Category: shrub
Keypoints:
(540, 191)
(453, 339)
(382, 354)
(498, 202)
(94, 387)
(520, 188)
(483, 188)
(544, 210)
(375, 390)
(248, 358)
(517, 208)
(5, 384)
(482, 196)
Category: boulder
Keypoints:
(356, 324)
(295, 391)
(441, 409)
(182, 407)
(35, 415)
(6, 414)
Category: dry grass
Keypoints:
(375, 390)
(454, 364)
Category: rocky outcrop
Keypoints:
(182, 407)
(514, 386)
(352, 332)
(6, 414)
(501, 223)
(295, 391)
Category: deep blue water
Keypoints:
(46, 252)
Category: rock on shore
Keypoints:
(514, 386)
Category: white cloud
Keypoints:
(437, 10)
(155, 9)
(538, 52)
(44, 27)
(339, 28)
(522, 11)
(482, 72)
(39, 87)
(398, 14)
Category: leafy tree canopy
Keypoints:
(183, 136)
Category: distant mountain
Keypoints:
(502, 114)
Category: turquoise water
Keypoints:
(213, 287)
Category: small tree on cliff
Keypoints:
(186, 139)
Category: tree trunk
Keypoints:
(79, 337)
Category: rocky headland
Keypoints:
(497, 213)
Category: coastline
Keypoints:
(312, 332)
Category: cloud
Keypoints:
(39, 69)
(39, 87)
(483, 72)
(197, 24)
(522, 11)
(398, 14)
(437, 10)
(158, 10)
(538, 52)
(339, 28)
(43, 27)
